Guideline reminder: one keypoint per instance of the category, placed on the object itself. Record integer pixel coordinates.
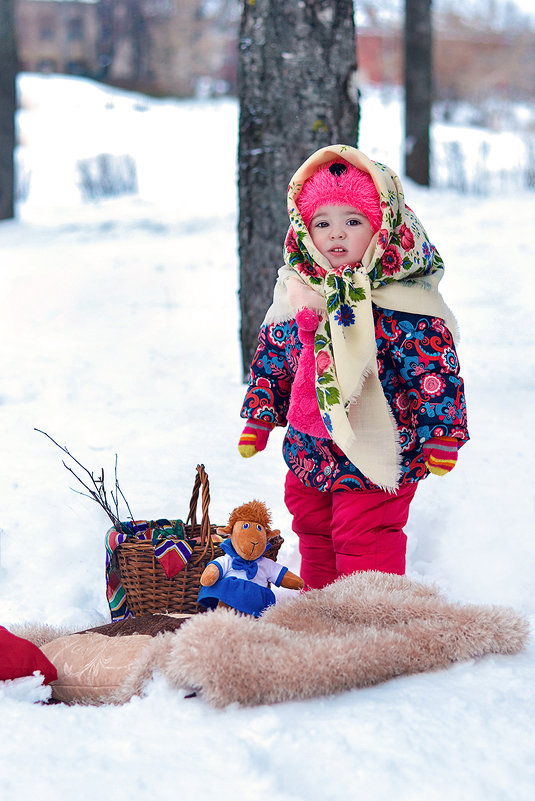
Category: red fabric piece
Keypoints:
(344, 532)
(172, 563)
(20, 657)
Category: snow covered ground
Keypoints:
(119, 334)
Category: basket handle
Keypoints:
(201, 480)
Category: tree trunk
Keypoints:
(140, 40)
(8, 107)
(418, 89)
(296, 65)
(105, 36)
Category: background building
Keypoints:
(188, 47)
(168, 47)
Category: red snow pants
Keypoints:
(344, 532)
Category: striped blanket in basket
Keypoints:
(171, 549)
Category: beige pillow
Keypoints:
(92, 667)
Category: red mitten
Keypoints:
(20, 657)
(254, 437)
(440, 454)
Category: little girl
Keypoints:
(357, 354)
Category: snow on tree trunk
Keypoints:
(296, 73)
(8, 72)
(418, 88)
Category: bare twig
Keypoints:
(95, 487)
(115, 497)
(118, 491)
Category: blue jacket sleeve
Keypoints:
(426, 362)
(271, 375)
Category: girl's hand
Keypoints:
(254, 437)
(440, 454)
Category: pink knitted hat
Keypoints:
(338, 183)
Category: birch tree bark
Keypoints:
(296, 71)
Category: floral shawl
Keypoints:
(401, 271)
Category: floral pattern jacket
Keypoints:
(419, 373)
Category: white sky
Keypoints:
(485, 7)
(528, 6)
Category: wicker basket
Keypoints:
(147, 588)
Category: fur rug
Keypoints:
(361, 630)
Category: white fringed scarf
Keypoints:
(400, 271)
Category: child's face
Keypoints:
(341, 234)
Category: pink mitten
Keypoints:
(440, 454)
(254, 437)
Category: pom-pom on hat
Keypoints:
(338, 183)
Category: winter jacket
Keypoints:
(419, 374)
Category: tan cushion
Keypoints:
(91, 667)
